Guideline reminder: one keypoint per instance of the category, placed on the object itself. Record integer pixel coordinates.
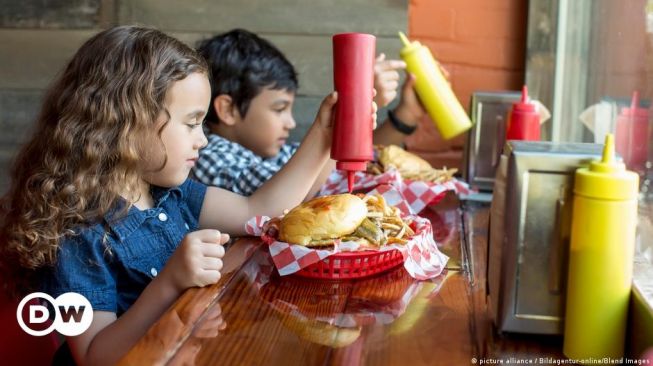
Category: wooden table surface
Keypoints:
(252, 316)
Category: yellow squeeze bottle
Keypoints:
(600, 258)
(433, 90)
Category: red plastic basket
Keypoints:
(348, 265)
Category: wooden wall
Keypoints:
(37, 38)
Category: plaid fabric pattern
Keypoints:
(229, 165)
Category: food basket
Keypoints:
(349, 265)
(420, 255)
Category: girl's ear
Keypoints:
(226, 110)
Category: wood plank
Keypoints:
(36, 55)
(332, 322)
(280, 16)
(507, 347)
(388, 319)
(6, 159)
(269, 314)
(164, 338)
(44, 14)
(18, 111)
(311, 55)
(432, 330)
(446, 220)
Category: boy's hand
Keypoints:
(197, 261)
(410, 109)
(386, 79)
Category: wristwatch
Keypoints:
(399, 125)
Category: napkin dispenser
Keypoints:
(489, 111)
(530, 220)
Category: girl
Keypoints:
(100, 203)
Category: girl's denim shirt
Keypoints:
(112, 262)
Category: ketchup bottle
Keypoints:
(353, 79)
(523, 120)
(631, 135)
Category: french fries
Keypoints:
(431, 175)
(388, 218)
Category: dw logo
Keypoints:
(73, 314)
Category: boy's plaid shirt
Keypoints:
(229, 165)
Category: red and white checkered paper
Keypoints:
(410, 196)
(422, 258)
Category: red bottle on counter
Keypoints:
(353, 79)
(631, 136)
(523, 120)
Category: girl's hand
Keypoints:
(212, 324)
(326, 115)
(386, 79)
(197, 261)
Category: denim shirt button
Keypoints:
(186, 226)
(163, 217)
(154, 272)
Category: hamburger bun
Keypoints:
(321, 332)
(393, 155)
(322, 218)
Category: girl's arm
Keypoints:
(196, 262)
(229, 211)
(108, 338)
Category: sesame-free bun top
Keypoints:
(393, 155)
(326, 217)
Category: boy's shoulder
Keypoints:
(222, 156)
(220, 147)
(229, 165)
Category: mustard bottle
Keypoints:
(601, 253)
(433, 90)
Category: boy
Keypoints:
(253, 87)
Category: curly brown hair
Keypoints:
(88, 144)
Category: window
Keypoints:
(590, 62)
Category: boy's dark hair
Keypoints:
(242, 64)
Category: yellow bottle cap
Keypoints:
(607, 178)
(408, 45)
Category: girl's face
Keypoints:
(267, 123)
(187, 101)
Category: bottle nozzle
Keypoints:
(608, 149)
(634, 103)
(524, 94)
(350, 180)
(404, 39)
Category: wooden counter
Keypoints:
(389, 319)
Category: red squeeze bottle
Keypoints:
(353, 79)
(523, 120)
(631, 137)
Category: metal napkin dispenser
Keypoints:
(489, 111)
(530, 222)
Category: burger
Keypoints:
(324, 220)
(322, 332)
(409, 165)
